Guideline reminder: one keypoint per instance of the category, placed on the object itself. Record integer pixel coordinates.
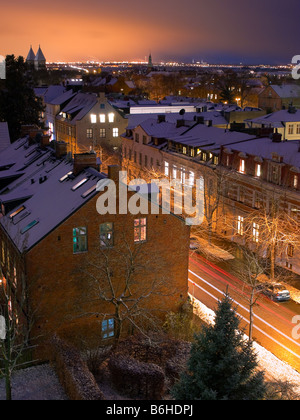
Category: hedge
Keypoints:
(73, 373)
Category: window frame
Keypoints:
(79, 237)
(138, 235)
(103, 243)
(108, 328)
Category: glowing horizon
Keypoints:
(236, 32)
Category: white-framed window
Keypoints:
(102, 118)
(79, 240)
(111, 117)
(167, 169)
(108, 328)
(140, 230)
(93, 119)
(102, 133)
(291, 128)
(298, 129)
(89, 133)
(240, 225)
(258, 170)
(255, 232)
(115, 132)
(242, 166)
(295, 181)
(107, 235)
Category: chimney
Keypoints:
(276, 137)
(26, 129)
(161, 118)
(83, 161)
(113, 173)
(45, 141)
(61, 149)
(34, 133)
(180, 123)
(200, 120)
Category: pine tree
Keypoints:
(222, 363)
(18, 103)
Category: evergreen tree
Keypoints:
(18, 103)
(222, 364)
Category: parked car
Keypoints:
(193, 244)
(276, 292)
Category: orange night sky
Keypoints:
(215, 30)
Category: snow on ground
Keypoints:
(273, 367)
(38, 383)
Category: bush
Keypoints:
(73, 373)
(134, 378)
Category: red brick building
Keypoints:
(87, 275)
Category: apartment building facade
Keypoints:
(90, 122)
(245, 173)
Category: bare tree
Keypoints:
(251, 268)
(126, 283)
(18, 324)
(271, 232)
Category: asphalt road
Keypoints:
(273, 326)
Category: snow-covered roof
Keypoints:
(276, 118)
(162, 129)
(211, 138)
(287, 91)
(79, 106)
(44, 189)
(264, 147)
(4, 136)
(59, 100)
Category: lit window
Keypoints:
(108, 328)
(174, 172)
(242, 166)
(140, 230)
(166, 168)
(107, 235)
(192, 179)
(255, 232)
(102, 118)
(89, 191)
(65, 177)
(184, 150)
(111, 117)
(79, 240)
(89, 133)
(115, 132)
(15, 213)
(258, 170)
(102, 133)
(295, 181)
(240, 225)
(83, 181)
(93, 119)
(290, 250)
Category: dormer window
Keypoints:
(258, 170)
(242, 166)
(295, 181)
